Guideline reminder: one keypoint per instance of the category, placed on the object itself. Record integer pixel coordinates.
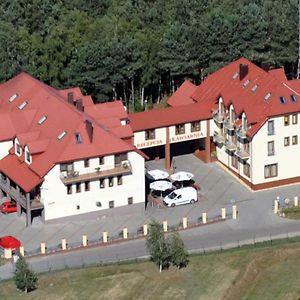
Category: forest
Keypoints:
(140, 51)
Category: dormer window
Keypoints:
(13, 98)
(42, 120)
(61, 136)
(21, 106)
(18, 148)
(28, 156)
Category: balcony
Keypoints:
(74, 177)
(218, 118)
(241, 133)
(230, 146)
(228, 124)
(218, 138)
(242, 154)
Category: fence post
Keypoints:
(165, 226)
(145, 229)
(204, 216)
(64, 244)
(104, 236)
(21, 250)
(184, 222)
(125, 233)
(275, 210)
(84, 240)
(43, 248)
(296, 201)
(234, 212)
(7, 253)
(223, 213)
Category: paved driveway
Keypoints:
(218, 189)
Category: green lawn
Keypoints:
(292, 213)
(265, 272)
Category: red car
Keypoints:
(8, 207)
(9, 242)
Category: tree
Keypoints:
(25, 279)
(178, 254)
(157, 246)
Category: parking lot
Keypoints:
(218, 189)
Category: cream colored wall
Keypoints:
(160, 138)
(4, 148)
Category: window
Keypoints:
(120, 180)
(111, 204)
(271, 127)
(102, 183)
(254, 88)
(295, 119)
(271, 150)
(98, 204)
(271, 171)
(293, 98)
(286, 141)
(42, 120)
(111, 181)
(195, 126)
(267, 96)
(86, 186)
(286, 120)
(27, 156)
(13, 98)
(78, 138)
(282, 100)
(78, 207)
(101, 160)
(150, 134)
(78, 187)
(234, 161)
(235, 75)
(294, 139)
(61, 136)
(246, 83)
(130, 200)
(86, 163)
(18, 149)
(69, 189)
(67, 168)
(119, 158)
(247, 170)
(21, 106)
(180, 129)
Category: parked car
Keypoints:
(8, 207)
(181, 196)
(9, 242)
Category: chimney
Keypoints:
(89, 129)
(243, 71)
(79, 105)
(70, 97)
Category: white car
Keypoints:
(181, 196)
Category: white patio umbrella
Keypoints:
(157, 174)
(161, 185)
(182, 176)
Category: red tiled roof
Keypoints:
(19, 172)
(77, 94)
(182, 95)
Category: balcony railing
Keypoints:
(228, 124)
(123, 169)
(218, 138)
(230, 146)
(219, 118)
(242, 154)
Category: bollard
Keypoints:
(7, 253)
(184, 222)
(223, 213)
(43, 248)
(125, 233)
(104, 236)
(145, 229)
(84, 240)
(204, 216)
(296, 201)
(275, 210)
(234, 212)
(165, 226)
(64, 244)
(21, 250)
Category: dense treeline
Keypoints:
(141, 50)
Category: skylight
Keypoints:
(23, 105)
(246, 83)
(282, 100)
(13, 98)
(42, 120)
(293, 98)
(268, 96)
(254, 88)
(61, 136)
(78, 138)
(235, 75)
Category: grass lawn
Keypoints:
(266, 272)
(292, 213)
